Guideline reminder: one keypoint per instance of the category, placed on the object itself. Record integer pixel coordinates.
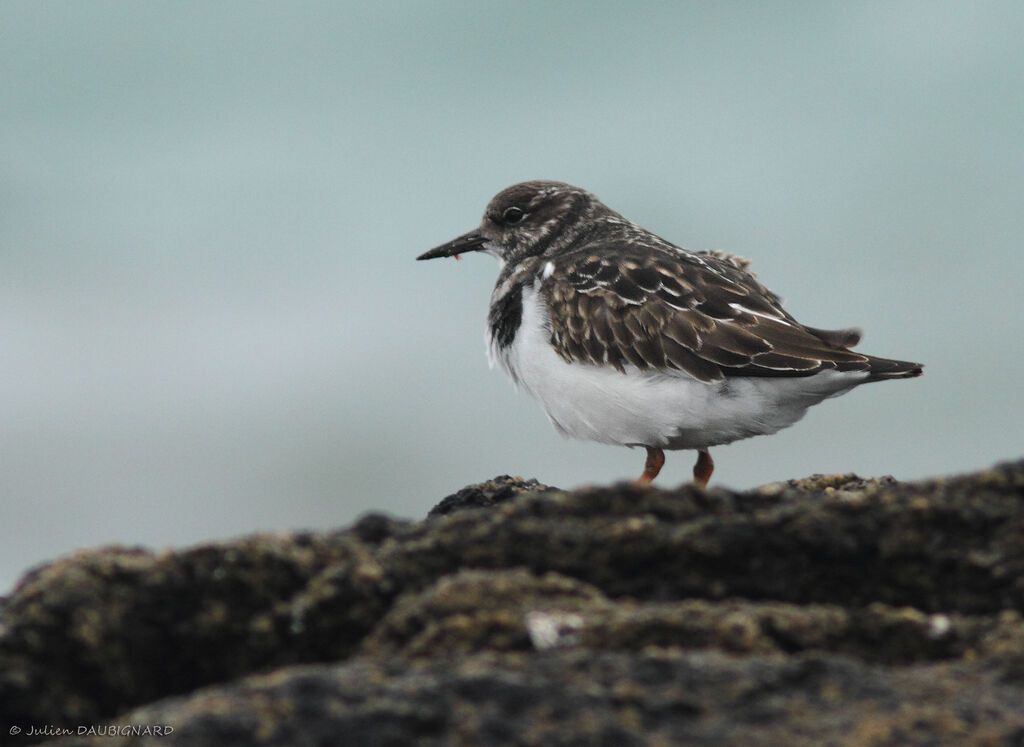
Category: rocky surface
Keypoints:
(831, 610)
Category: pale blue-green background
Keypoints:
(211, 322)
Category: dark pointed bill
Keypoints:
(467, 242)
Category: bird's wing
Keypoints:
(701, 313)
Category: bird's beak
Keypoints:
(467, 242)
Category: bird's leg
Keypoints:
(703, 468)
(653, 465)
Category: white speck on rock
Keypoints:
(939, 626)
(553, 629)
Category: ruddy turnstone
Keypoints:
(628, 339)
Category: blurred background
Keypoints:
(211, 322)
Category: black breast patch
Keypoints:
(506, 315)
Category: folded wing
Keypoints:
(703, 314)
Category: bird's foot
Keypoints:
(703, 468)
(653, 465)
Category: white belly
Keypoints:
(651, 408)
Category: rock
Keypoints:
(579, 696)
(486, 494)
(99, 632)
(826, 610)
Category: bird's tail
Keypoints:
(884, 368)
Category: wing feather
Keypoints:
(703, 314)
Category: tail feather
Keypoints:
(837, 338)
(885, 368)
(879, 368)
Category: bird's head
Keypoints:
(525, 220)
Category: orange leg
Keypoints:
(703, 468)
(653, 465)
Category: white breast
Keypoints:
(652, 408)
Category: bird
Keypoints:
(628, 339)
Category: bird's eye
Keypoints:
(512, 215)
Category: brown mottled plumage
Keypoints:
(694, 332)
